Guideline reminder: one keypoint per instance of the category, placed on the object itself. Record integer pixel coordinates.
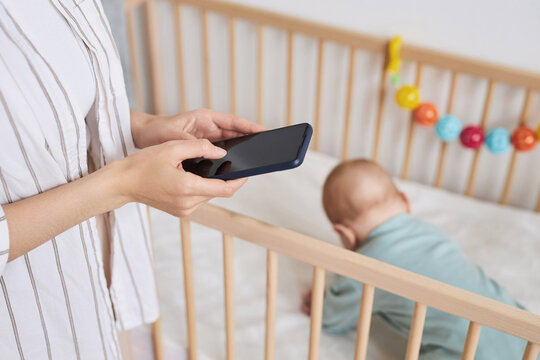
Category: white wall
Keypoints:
(501, 31)
(496, 33)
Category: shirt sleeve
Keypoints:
(341, 305)
(4, 241)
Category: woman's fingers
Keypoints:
(213, 187)
(189, 149)
(228, 134)
(204, 190)
(235, 123)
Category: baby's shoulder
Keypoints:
(414, 238)
(420, 227)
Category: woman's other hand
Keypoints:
(154, 176)
(148, 130)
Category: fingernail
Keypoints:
(220, 151)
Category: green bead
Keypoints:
(395, 79)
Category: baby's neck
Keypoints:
(364, 225)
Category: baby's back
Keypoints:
(424, 249)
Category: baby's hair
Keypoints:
(354, 187)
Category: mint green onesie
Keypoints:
(424, 249)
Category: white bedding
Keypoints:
(504, 241)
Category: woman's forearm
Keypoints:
(34, 220)
(153, 176)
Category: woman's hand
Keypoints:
(148, 130)
(154, 176)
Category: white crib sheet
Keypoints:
(504, 241)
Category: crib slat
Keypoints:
(206, 61)
(157, 340)
(364, 322)
(531, 351)
(471, 341)
(135, 63)
(444, 145)
(185, 232)
(228, 278)
(290, 56)
(179, 57)
(512, 166)
(232, 64)
(410, 136)
(415, 334)
(317, 121)
(260, 73)
(154, 61)
(157, 334)
(317, 295)
(349, 103)
(130, 4)
(271, 291)
(483, 122)
(509, 178)
(380, 110)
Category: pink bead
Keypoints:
(472, 137)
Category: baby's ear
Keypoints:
(347, 236)
(406, 201)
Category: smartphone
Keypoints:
(268, 151)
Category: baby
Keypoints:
(371, 216)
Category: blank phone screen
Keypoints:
(252, 151)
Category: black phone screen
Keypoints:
(252, 151)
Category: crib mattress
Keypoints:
(504, 241)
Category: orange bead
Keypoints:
(524, 139)
(426, 114)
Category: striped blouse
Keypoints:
(54, 301)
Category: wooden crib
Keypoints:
(324, 257)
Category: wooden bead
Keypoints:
(472, 137)
(498, 140)
(448, 128)
(408, 97)
(524, 139)
(426, 114)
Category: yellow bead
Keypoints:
(408, 97)
(538, 133)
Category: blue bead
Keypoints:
(448, 128)
(498, 140)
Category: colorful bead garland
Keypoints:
(448, 127)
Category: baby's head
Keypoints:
(359, 195)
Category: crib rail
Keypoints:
(425, 292)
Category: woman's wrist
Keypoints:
(112, 185)
(139, 121)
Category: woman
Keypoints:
(70, 277)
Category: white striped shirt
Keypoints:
(54, 301)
